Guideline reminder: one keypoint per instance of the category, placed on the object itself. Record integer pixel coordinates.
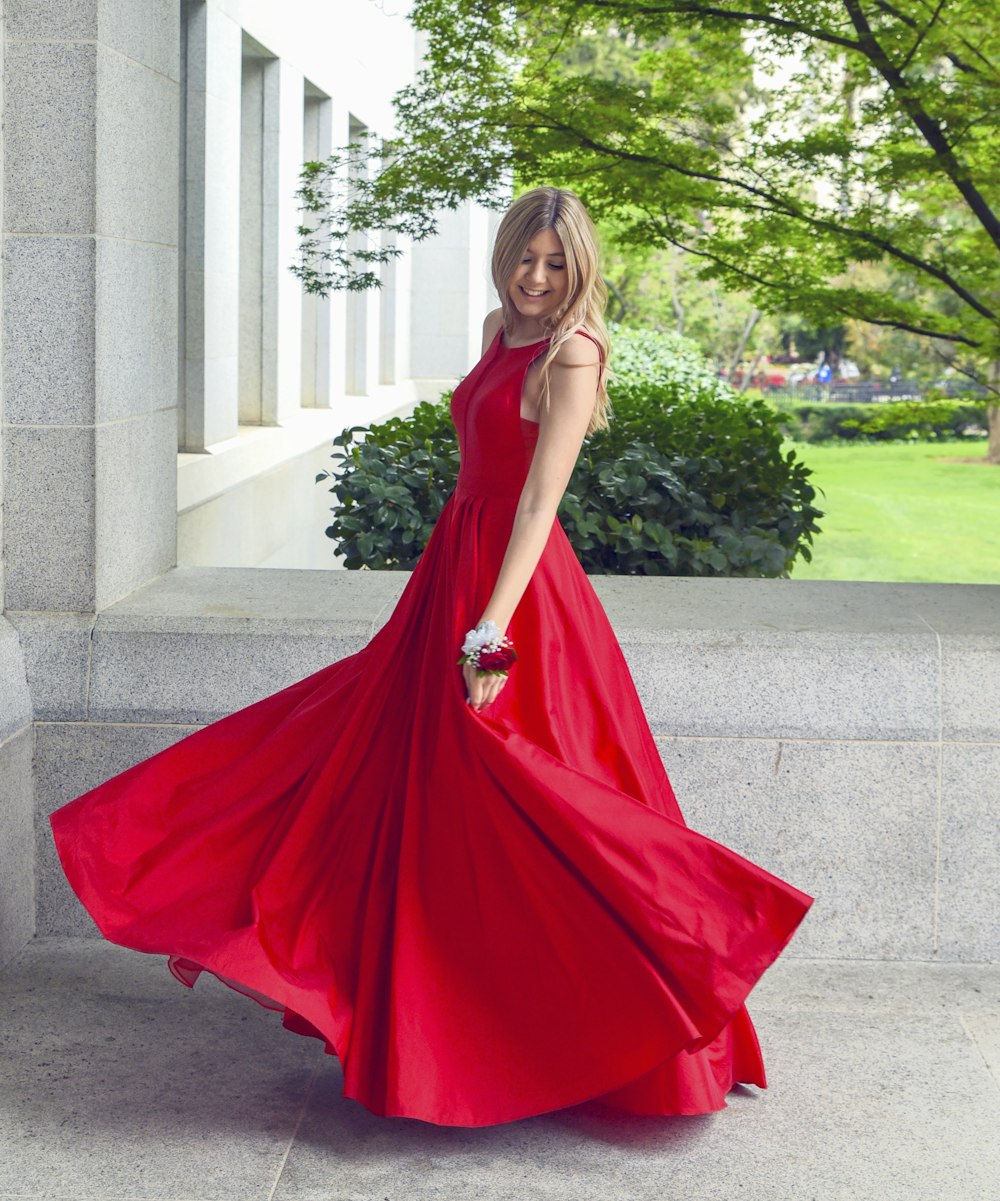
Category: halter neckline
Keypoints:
(526, 346)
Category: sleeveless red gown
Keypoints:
(484, 915)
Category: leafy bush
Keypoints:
(667, 363)
(689, 480)
(392, 485)
(926, 420)
(824, 421)
(699, 489)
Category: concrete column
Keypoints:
(270, 295)
(17, 798)
(450, 295)
(282, 343)
(402, 310)
(257, 92)
(211, 228)
(337, 304)
(317, 359)
(90, 303)
(388, 329)
(357, 380)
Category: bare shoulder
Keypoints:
(493, 322)
(578, 351)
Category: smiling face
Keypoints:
(539, 283)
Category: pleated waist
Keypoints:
(506, 490)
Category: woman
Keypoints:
(472, 882)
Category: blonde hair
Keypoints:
(587, 295)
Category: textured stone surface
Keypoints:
(17, 800)
(182, 676)
(147, 32)
(62, 19)
(970, 684)
(56, 649)
(136, 329)
(251, 633)
(871, 987)
(228, 598)
(136, 509)
(48, 330)
(70, 759)
(984, 1029)
(49, 517)
(845, 606)
(80, 530)
(813, 683)
(17, 875)
(15, 699)
(116, 1082)
(136, 157)
(851, 823)
(969, 890)
(49, 137)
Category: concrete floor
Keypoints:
(118, 1083)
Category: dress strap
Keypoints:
(600, 349)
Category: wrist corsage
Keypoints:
(491, 652)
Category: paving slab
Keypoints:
(117, 1081)
(117, 1084)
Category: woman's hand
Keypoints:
(481, 690)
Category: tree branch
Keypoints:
(918, 41)
(932, 132)
(685, 9)
(967, 372)
(778, 205)
(910, 22)
(743, 273)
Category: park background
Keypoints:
(177, 367)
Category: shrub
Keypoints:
(698, 489)
(926, 420)
(824, 421)
(667, 363)
(392, 485)
(689, 480)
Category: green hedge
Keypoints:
(392, 480)
(690, 479)
(890, 421)
(670, 365)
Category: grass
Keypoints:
(911, 511)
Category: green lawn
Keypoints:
(902, 511)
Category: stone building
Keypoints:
(169, 389)
(168, 393)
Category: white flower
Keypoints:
(485, 632)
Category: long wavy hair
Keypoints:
(560, 210)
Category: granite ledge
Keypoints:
(829, 659)
(634, 603)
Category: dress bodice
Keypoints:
(496, 444)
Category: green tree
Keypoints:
(780, 142)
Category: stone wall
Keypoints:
(128, 306)
(17, 799)
(846, 736)
(843, 735)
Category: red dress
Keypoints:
(485, 915)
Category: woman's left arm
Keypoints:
(575, 371)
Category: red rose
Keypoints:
(496, 660)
